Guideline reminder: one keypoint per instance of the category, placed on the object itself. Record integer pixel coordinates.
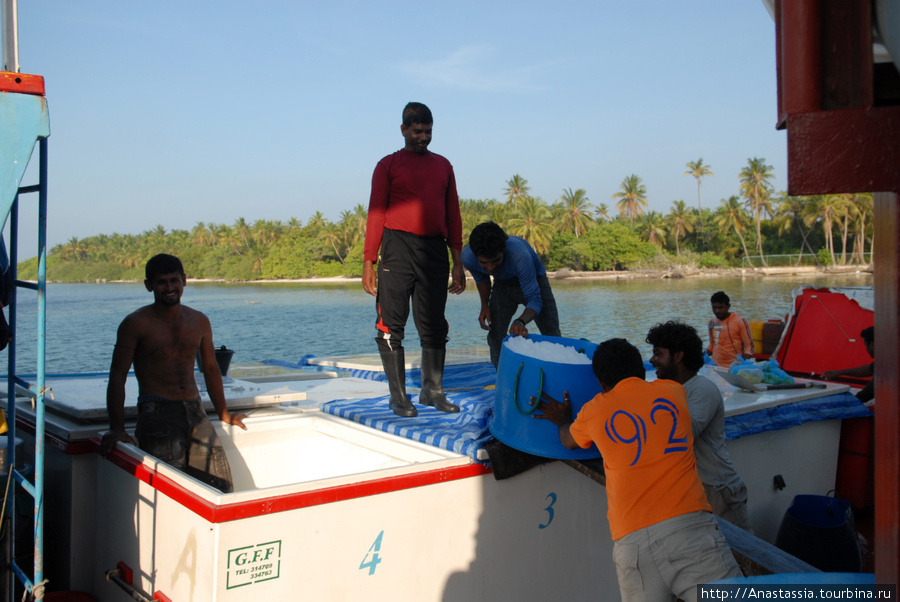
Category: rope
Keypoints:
(37, 590)
(537, 402)
(833, 319)
(6, 494)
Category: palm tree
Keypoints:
(359, 220)
(337, 233)
(653, 228)
(516, 189)
(756, 186)
(218, 232)
(201, 234)
(602, 212)
(316, 221)
(681, 222)
(632, 197)
(500, 212)
(75, 249)
(126, 250)
(575, 211)
(862, 204)
(532, 221)
(229, 236)
(699, 171)
(790, 215)
(732, 216)
(154, 240)
(845, 216)
(474, 212)
(265, 232)
(828, 208)
(344, 226)
(243, 230)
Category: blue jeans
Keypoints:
(179, 433)
(506, 297)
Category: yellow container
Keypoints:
(756, 331)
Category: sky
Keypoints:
(173, 113)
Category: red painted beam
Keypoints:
(21, 83)
(887, 387)
(846, 54)
(799, 57)
(856, 150)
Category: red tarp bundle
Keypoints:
(823, 333)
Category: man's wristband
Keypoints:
(520, 321)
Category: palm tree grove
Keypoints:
(755, 227)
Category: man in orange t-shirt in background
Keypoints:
(729, 333)
(667, 541)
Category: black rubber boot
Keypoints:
(432, 393)
(394, 363)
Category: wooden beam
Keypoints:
(854, 150)
(846, 54)
(798, 57)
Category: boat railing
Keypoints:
(24, 122)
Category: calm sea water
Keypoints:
(288, 321)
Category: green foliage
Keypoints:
(711, 260)
(562, 255)
(28, 269)
(353, 262)
(612, 246)
(825, 257)
(299, 256)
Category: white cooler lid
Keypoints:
(84, 397)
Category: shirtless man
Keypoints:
(162, 340)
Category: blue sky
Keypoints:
(173, 113)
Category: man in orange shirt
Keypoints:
(666, 539)
(729, 333)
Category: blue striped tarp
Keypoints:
(840, 405)
(459, 376)
(467, 432)
(464, 432)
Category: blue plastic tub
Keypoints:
(820, 530)
(520, 377)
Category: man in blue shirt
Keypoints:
(519, 278)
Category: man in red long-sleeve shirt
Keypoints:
(413, 218)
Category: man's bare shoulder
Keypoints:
(193, 314)
(137, 317)
(149, 317)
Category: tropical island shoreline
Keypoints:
(568, 274)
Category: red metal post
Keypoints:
(887, 386)
(854, 150)
(839, 142)
(799, 60)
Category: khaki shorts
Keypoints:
(730, 505)
(670, 559)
